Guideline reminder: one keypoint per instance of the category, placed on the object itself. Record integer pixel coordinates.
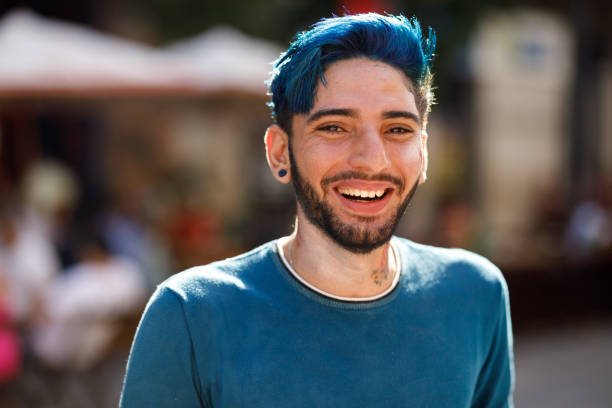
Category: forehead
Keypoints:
(365, 84)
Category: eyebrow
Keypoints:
(401, 114)
(331, 112)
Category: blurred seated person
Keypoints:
(28, 261)
(83, 308)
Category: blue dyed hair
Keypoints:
(395, 40)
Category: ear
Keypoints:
(277, 152)
(424, 157)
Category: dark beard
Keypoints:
(353, 239)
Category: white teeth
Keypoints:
(361, 193)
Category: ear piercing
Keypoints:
(282, 173)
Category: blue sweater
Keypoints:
(244, 333)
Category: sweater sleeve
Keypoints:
(161, 369)
(496, 380)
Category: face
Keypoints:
(359, 154)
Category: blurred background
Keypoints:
(131, 147)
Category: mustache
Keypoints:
(347, 175)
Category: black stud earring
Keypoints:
(282, 173)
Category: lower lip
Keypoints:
(365, 207)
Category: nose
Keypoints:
(368, 151)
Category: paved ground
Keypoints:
(570, 367)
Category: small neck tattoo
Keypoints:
(379, 276)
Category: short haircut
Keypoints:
(394, 40)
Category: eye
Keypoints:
(400, 132)
(330, 128)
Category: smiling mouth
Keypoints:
(363, 195)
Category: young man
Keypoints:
(339, 313)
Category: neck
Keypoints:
(329, 267)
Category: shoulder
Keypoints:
(219, 278)
(452, 267)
